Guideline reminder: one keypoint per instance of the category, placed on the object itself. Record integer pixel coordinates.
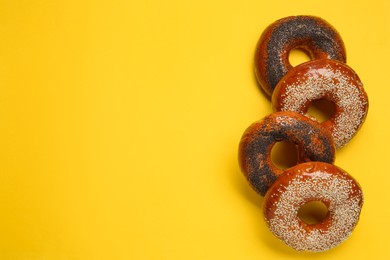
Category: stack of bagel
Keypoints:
(292, 91)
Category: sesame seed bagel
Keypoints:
(325, 79)
(313, 181)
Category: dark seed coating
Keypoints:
(314, 143)
(311, 34)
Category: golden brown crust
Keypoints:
(313, 181)
(325, 79)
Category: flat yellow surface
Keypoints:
(120, 123)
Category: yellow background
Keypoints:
(120, 121)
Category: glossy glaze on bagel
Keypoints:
(311, 34)
(314, 143)
(325, 79)
(313, 181)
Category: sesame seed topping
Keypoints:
(333, 81)
(319, 182)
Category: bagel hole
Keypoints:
(284, 154)
(322, 109)
(298, 56)
(313, 212)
